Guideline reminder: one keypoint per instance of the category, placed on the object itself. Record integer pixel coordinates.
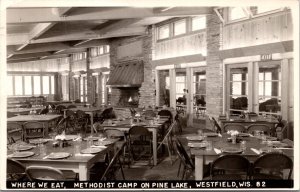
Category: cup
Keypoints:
(209, 145)
(77, 148)
(89, 142)
(243, 145)
(43, 150)
(233, 138)
(263, 138)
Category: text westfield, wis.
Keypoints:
(147, 184)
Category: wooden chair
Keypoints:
(71, 106)
(272, 166)
(230, 167)
(44, 111)
(185, 159)
(217, 127)
(149, 114)
(234, 126)
(114, 165)
(82, 121)
(14, 132)
(15, 171)
(166, 113)
(259, 127)
(33, 130)
(60, 109)
(139, 138)
(44, 173)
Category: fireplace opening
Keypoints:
(129, 97)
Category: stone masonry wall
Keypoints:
(214, 70)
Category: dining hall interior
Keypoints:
(116, 93)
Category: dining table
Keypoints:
(220, 144)
(49, 120)
(125, 124)
(23, 111)
(91, 111)
(76, 156)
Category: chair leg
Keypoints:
(121, 168)
(183, 174)
(179, 169)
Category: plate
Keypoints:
(244, 135)
(91, 138)
(22, 154)
(210, 134)
(197, 145)
(38, 141)
(194, 138)
(23, 147)
(70, 137)
(232, 150)
(58, 155)
(101, 143)
(269, 150)
(91, 150)
(271, 138)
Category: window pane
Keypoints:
(179, 27)
(107, 48)
(198, 23)
(46, 85)
(101, 50)
(236, 13)
(52, 85)
(28, 85)
(81, 86)
(163, 32)
(9, 85)
(36, 85)
(18, 85)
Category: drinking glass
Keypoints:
(243, 145)
(209, 146)
(43, 150)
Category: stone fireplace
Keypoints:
(129, 97)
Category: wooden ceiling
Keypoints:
(54, 32)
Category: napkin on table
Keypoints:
(255, 151)
(218, 151)
(83, 155)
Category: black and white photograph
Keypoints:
(149, 94)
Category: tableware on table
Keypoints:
(105, 142)
(58, 155)
(70, 137)
(42, 148)
(211, 134)
(195, 138)
(209, 145)
(232, 150)
(91, 150)
(243, 145)
(200, 132)
(22, 154)
(244, 135)
(38, 141)
(269, 150)
(23, 147)
(197, 145)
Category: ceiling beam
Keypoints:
(117, 25)
(45, 15)
(29, 55)
(40, 47)
(63, 11)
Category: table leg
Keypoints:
(154, 135)
(92, 123)
(83, 172)
(199, 167)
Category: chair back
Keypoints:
(217, 126)
(273, 162)
(12, 128)
(259, 127)
(44, 111)
(33, 129)
(44, 173)
(60, 109)
(114, 133)
(139, 131)
(15, 170)
(71, 106)
(61, 125)
(70, 113)
(230, 163)
(166, 113)
(81, 114)
(149, 114)
(234, 126)
(10, 114)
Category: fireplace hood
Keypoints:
(129, 74)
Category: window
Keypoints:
(199, 91)
(45, 86)
(18, 85)
(107, 49)
(198, 23)
(269, 88)
(238, 89)
(164, 32)
(236, 13)
(52, 85)
(27, 85)
(181, 90)
(10, 90)
(100, 50)
(37, 85)
(179, 27)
